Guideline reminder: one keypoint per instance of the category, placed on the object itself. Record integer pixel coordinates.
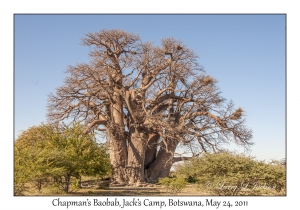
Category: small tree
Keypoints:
(34, 161)
(44, 152)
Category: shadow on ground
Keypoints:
(117, 193)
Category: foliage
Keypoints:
(233, 174)
(173, 184)
(44, 153)
(33, 162)
(52, 188)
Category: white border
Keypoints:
(10, 7)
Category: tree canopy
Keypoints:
(45, 152)
(148, 100)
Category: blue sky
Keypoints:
(246, 53)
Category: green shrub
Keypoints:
(52, 189)
(234, 174)
(75, 184)
(173, 185)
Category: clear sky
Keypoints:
(246, 53)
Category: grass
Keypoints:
(189, 190)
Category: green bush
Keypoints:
(233, 174)
(173, 185)
(61, 153)
(52, 189)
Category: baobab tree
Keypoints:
(151, 102)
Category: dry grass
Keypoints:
(189, 190)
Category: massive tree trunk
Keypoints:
(136, 155)
(143, 163)
(136, 159)
(118, 157)
(163, 162)
(117, 142)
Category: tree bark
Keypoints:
(118, 157)
(151, 150)
(136, 155)
(66, 185)
(117, 142)
(163, 162)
